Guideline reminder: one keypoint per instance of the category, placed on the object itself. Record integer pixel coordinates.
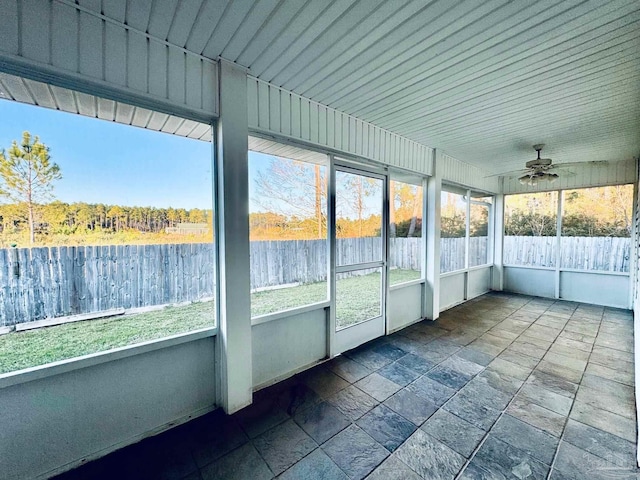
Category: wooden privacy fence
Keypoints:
(452, 253)
(38, 283)
(532, 251)
(305, 261)
(609, 254)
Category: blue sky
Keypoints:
(105, 162)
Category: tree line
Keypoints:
(453, 213)
(587, 212)
(86, 223)
(79, 217)
(573, 225)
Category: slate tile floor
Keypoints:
(503, 386)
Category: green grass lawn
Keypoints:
(357, 300)
(397, 276)
(36, 347)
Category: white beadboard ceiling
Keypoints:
(482, 80)
(49, 96)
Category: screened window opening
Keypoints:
(596, 228)
(479, 224)
(405, 231)
(288, 227)
(358, 296)
(530, 221)
(114, 247)
(453, 219)
(359, 230)
(359, 237)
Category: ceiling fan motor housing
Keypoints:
(538, 163)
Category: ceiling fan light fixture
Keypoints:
(533, 179)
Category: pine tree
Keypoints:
(27, 175)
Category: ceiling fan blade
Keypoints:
(565, 173)
(521, 171)
(599, 163)
(546, 168)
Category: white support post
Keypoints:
(331, 259)
(497, 276)
(467, 244)
(633, 264)
(467, 231)
(232, 182)
(558, 241)
(432, 275)
(424, 265)
(634, 302)
(385, 252)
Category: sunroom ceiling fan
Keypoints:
(540, 170)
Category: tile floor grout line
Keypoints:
(436, 365)
(461, 347)
(353, 422)
(573, 401)
(504, 411)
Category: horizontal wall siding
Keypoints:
(578, 176)
(73, 47)
(273, 110)
(461, 173)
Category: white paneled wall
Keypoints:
(71, 46)
(273, 110)
(464, 174)
(587, 175)
(58, 417)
